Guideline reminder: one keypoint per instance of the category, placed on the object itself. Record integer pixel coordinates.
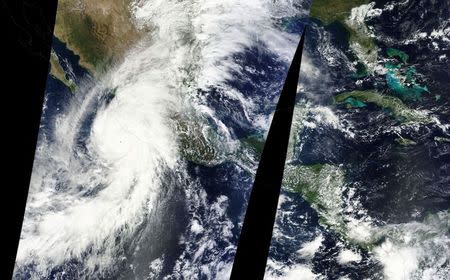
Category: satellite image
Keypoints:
(155, 117)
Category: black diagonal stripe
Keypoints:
(254, 241)
(25, 62)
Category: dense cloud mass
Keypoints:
(145, 160)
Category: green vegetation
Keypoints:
(362, 44)
(320, 185)
(361, 70)
(405, 142)
(391, 103)
(391, 52)
(194, 145)
(254, 142)
(359, 34)
(329, 11)
(323, 187)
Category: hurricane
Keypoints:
(155, 117)
(103, 161)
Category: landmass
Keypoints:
(195, 146)
(57, 71)
(99, 31)
(255, 143)
(391, 52)
(405, 141)
(323, 186)
(329, 11)
(340, 11)
(390, 103)
(306, 180)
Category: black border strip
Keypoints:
(256, 234)
(25, 63)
